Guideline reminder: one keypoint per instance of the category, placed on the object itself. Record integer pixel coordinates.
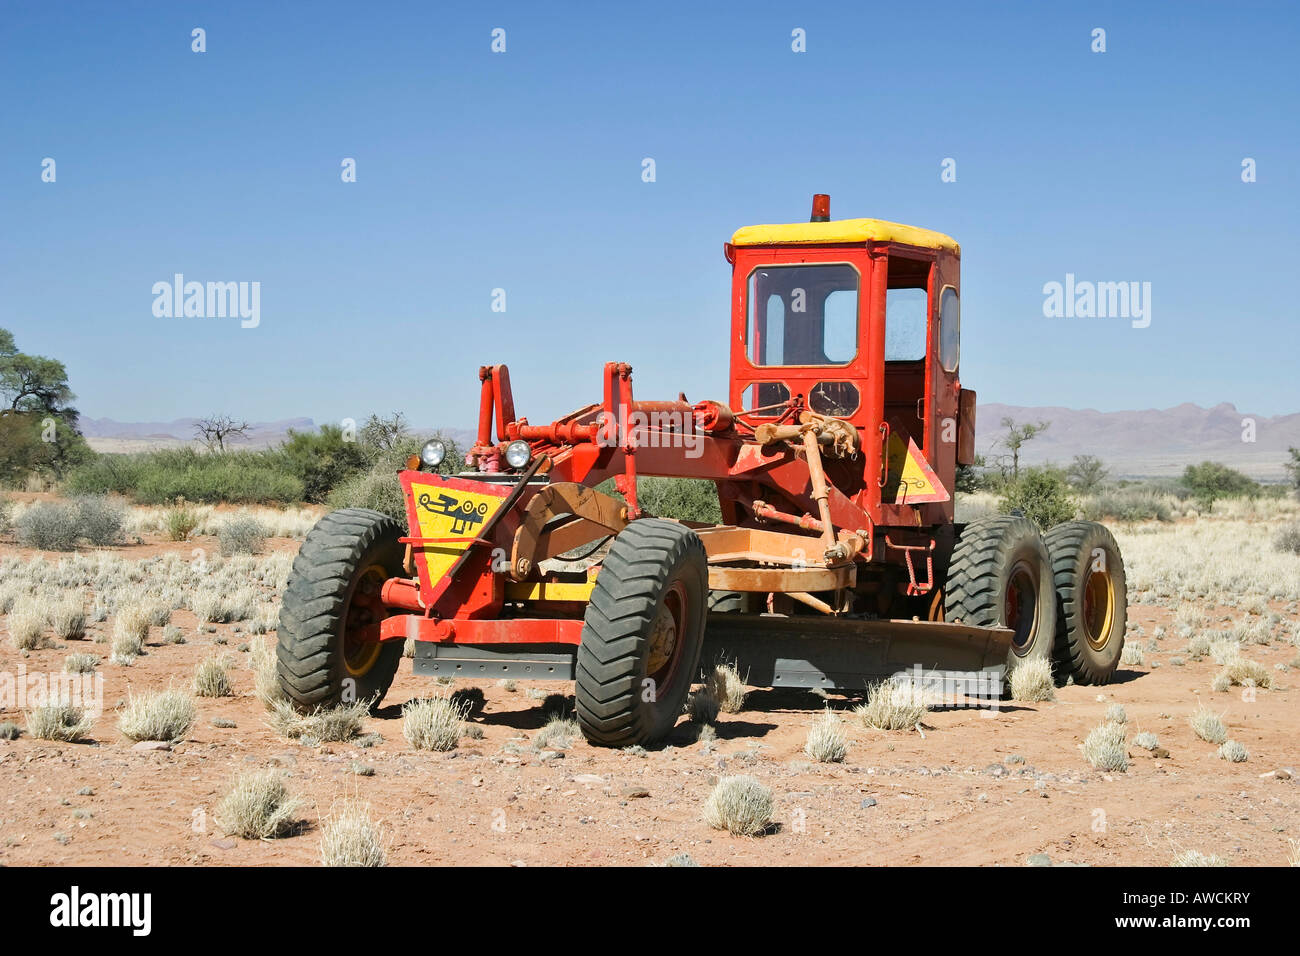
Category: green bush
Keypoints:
(686, 499)
(158, 477)
(308, 466)
(101, 520)
(1209, 481)
(107, 473)
(321, 460)
(377, 489)
(180, 521)
(1041, 495)
(49, 526)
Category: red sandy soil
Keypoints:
(951, 797)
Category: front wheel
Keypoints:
(327, 651)
(642, 634)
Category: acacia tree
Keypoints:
(1086, 473)
(33, 383)
(216, 430)
(38, 425)
(383, 434)
(1017, 435)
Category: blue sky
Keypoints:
(522, 171)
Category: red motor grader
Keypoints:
(838, 562)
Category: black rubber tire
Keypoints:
(1078, 549)
(650, 560)
(980, 573)
(335, 555)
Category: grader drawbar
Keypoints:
(838, 562)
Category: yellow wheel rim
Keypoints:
(364, 608)
(1098, 609)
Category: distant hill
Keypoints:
(105, 434)
(109, 435)
(1150, 443)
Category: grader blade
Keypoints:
(851, 654)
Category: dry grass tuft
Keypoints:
(68, 618)
(893, 706)
(158, 715)
(266, 683)
(1209, 726)
(58, 722)
(1225, 649)
(727, 687)
(322, 725)
(1196, 858)
(1032, 681)
(351, 838)
(826, 741)
(1146, 740)
(434, 723)
(740, 805)
(558, 734)
(211, 679)
(27, 624)
(80, 663)
(1241, 672)
(1104, 747)
(1234, 752)
(257, 807)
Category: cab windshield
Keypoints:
(803, 315)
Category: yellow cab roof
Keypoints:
(843, 230)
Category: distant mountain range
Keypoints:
(1150, 443)
(180, 431)
(1134, 444)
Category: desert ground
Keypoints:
(968, 788)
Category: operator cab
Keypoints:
(860, 319)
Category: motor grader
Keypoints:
(838, 562)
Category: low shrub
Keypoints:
(351, 838)
(242, 535)
(49, 526)
(1041, 495)
(257, 807)
(101, 520)
(740, 805)
(157, 715)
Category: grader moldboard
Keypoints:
(839, 563)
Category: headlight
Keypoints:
(433, 453)
(518, 454)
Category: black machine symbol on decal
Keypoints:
(463, 514)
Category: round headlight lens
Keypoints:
(518, 454)
(433, 453)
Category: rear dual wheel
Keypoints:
(642, 634)
(1092, 600)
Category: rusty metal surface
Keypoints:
(594, 515)
(849, 653)
(724, 578)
